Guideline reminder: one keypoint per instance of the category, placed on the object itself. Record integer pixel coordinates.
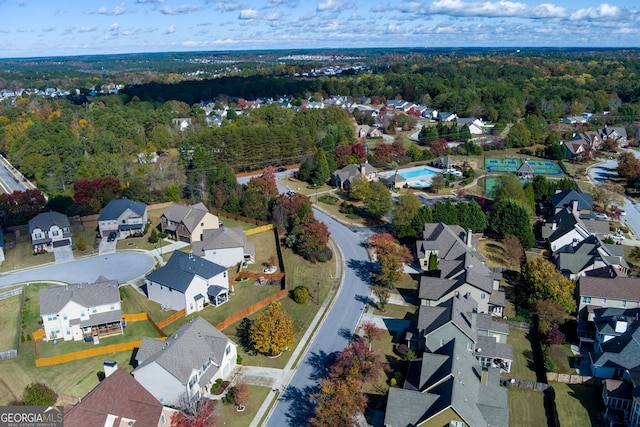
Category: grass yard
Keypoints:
(232, 418)
(21, 256)
(561, 355)
(133, 302)
(9, 318)
(578, 405)
(523, 366)
(526, 408)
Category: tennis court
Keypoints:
(540, 167)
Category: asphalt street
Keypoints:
(122, 266)
(8, 179)
(294, 407)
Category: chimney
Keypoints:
(469, 233)
(554, 226)
(474, 319)
(484, 375)
(110, 366)
(574, 206)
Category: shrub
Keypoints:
(398, 377)
(82, 244)
(393, 382)
(409, 355)
(549, 364)
(153, 237)
(323, 255)
(239, 360)
(301, 294)
(216, 385)
(39, 394)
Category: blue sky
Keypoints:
(72, 27)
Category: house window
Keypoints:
(457, 293)
(604, 300)
(623, 303)
(55, 233)
(441, 342)
(124, 221)
(469, 346)
(455, 423)
(586, 300)
(64, 316)
(164, 220)
(224, 274)
(82, 314)
(51, 317)
(482, 296)
(228, 350)
(163, 419)
(112, 307)
(94, 309)
(183, 228)
(67, 332)
(193, 380)
(38, 235)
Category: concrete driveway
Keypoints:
(123, 267)
(63, 254)
(106, 247)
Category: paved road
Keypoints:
(122, 266)
(294, 407)
(10, 179)
(607, 170)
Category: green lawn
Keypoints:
(526, 408)
(561, 355)
(578, 405)
(230, 417)
(9, 318)
(133, 302)
(523, 365)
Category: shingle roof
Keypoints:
(179, 271)
(565, 197)
(46, 220)
(456, 310)
(621, 351)
(525, 167)
(117, 207)
(190, 216)
(186, 349)
(53, 299)
(221, 238)
(119, 394)
(621, 288)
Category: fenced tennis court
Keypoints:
(540, 167)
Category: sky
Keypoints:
(78, 27)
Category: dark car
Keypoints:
(112, 236)
(282, 169)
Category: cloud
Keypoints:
(149, 1)
(48, 30)
(605, 11)
(249, 14)
(228, 7)
(87, 29)
(115, 30)
(272, 16)
(118, 10)
(411, 7)
(171, 29)
(277, 3)
(332, 5)
(185, 8)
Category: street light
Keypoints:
(318, 294)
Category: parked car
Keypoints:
(616, 236)
(602, 216)
(282, 169)
(623, 212)
(112, 236)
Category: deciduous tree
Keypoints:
(378, 203)
(390, 256)
(404, 214)
(371, 332)
(544, 282)
(272, 331)
(200, 414)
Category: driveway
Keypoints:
(107, 247)
(63, 254)
(122, 267)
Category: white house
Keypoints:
(187, 281)
(185, 365)
(123, 216)
(72, 312)
(226, 246)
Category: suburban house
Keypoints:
(226, 246)
(564, 228)
(592, 138)
(118, 401)
(186, 364)
(181, 123)
(187, 223)
(444, 162)
(476, 126)
(590, 254)
(343, 177)
(394, 181)
(616, 343)
(580, 203)
(445, 116)
(187, 282)
(458, 318)
(606, 292)
(366, 131)
(49, 230)
(73, 312)
(448, 388)
(124, 217)
(615, 133)
(577, 150)
(459, 269)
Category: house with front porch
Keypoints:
(183, 367)
(49, 230)
(124, 217)
(344, 177)
(187, 282)
(73, 312)
(187, 223)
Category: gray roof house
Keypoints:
(564, 228)
(606, 292)
(617, 342)
(226, 246)
(444, 162)
(448, 388)
(342, 178)
(575, 260)
(73, 312)
(185, 365)
(187, 223)
(49, 230)
(123, 216)
(461, 269)
(187, 282)
(582, 203)
(458, 318)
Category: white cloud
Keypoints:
(48, 30)
(86, 29)
(171, 29)
(185, 8)
(332, 5)
(249, 14)
(228, 6)
(149, 1)
(115, 30)
(411, 7)
(118, 10)
(272, 16)
(605, 11)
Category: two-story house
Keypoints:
(122, 216)
(187, 281)
(73, 312)
(188, 223)
(186, 364)
(617, 342)
(49, 230)
(577, 259)
(226, 246)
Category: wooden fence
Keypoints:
(135, 317)
(38, 335)
(250, 310)
(169, 320)
(242, 218)
(83, 354)
(572, 379)
(257, 230)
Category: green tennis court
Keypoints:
(540, 167)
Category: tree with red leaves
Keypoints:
(201, 415)
(382, 154)
(439, 147)
(265, 183)
(371, 332)
(20, 206)
(338, 403)
(390, 256)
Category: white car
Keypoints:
(623, 212)
(602, 216)
(616, 236)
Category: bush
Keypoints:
(39, 394)
(215, 386)
(398, 377)
(409, 355)
(328, 199)
(549, 364)
(239, 360)
(82, 244)
(301, 294)
(153, 237)
(393, 382)
(323, 255)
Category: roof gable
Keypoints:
(182, 268)
(55, 298)
(44, 221)
(116, 207)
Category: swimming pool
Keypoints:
(418, 176)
